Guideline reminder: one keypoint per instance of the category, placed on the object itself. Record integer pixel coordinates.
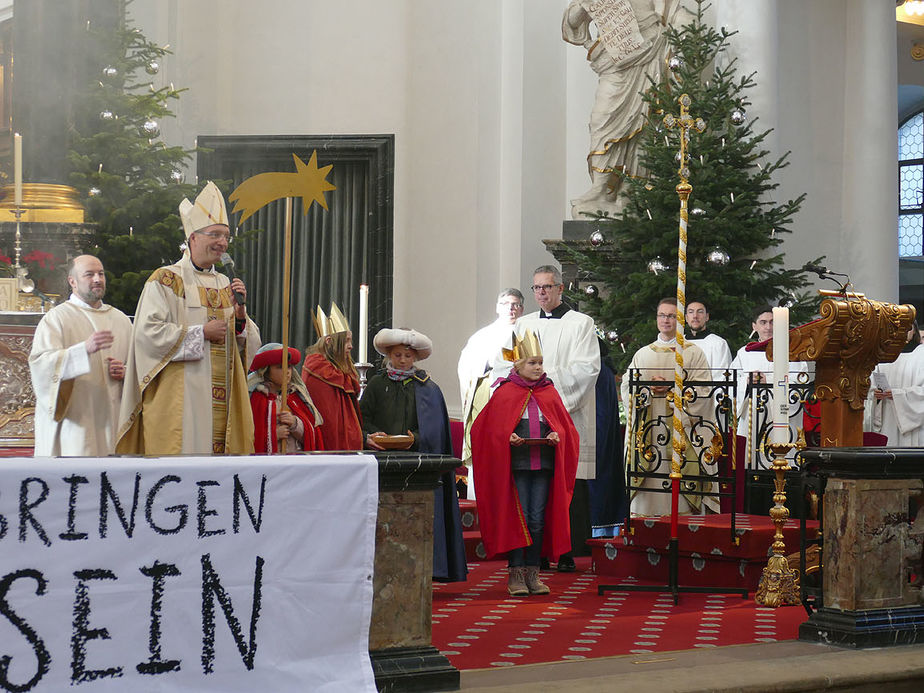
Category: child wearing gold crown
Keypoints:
(524, 457)
(332, 381)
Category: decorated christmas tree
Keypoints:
(132, 181)
(736, 227)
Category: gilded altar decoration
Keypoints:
(852, 335)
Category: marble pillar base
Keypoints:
(403, 658)
(869, 628)
(871, 549)
(413, 669)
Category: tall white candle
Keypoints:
(17, 168)
(780, 376)
(363, 323)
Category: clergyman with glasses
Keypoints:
(649, 417)
(192, 341)
(571, 358)
(475, 365)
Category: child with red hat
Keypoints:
(299, 426)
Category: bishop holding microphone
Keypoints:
(185, 381)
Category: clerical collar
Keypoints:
(200, 269)
(556, 313)
(698, 334)
(666, 342)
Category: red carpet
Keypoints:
(477, 625)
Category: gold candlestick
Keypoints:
(779, 584)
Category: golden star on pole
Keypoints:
(308, 182)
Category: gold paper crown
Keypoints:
(208, 209)
(523, 347)
(325, 326)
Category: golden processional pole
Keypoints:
(308, 182)
(684, 123)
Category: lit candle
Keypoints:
(780, 376)
(17, 168)
(363, 323)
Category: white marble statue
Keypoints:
(627, 48)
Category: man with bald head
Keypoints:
(77, 365)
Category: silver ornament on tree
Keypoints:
(152, 68)
(698, 211)
(109, 72)
(788, 301)
(657, 265)
(93, 192)
(612, 336)
(591, 291)
(106, 115)
(738, 116)
(596, 238)
(717, 256)
(674, 63)
(151, 128)
(176, 176)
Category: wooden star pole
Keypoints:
(684, 122)
(308, 182)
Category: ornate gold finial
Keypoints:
(523, 347)
(684, 122)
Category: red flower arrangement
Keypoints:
(42, 259)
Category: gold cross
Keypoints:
(685, 122)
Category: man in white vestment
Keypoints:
(186, 386)
(656, 362)
(475, 365)
(77, 365)
(571, 357)
(755, 367)
(712, 345)
(895, 403)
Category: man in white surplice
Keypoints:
(895, 404)
(77, 365)
(754, 367)
(571, 357)
(656, 361)
(475, 365)
(713, 346)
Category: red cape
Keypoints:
(336, 395)
(264, 412)
(500, 516)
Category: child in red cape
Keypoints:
(524, 457)
(298, 425)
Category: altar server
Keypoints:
(895, 404)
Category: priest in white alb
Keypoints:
(895, 403)
(77, 364)
(185, 385)
(656, 362)
(571, 356)
(475, 364)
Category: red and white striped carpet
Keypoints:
(476, 624)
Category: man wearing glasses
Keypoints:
(185, 382)
(475, 365)
(571, 357)
(649, 412)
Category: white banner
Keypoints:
(230, 574)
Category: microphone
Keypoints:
(227, 263)
(817, 269)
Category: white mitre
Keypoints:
(208, 209)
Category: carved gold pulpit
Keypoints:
(852, 335)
